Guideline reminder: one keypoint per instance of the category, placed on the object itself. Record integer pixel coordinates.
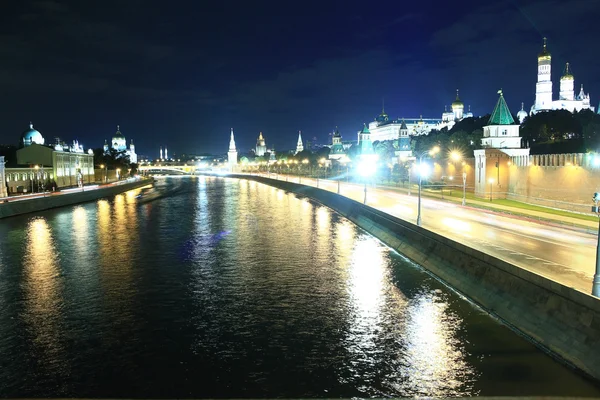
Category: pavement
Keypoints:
(561, 248)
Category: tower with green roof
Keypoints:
(366, 146)
(501, 151)
(501, 131)
(337, 149)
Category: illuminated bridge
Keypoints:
(167, 169)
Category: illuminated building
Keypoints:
(337, 149)
(261, 147)
(543, 90)
(384, 128)
(67, 165)
(501, 143)
(232, 153)
(119, 144)
(299, 145)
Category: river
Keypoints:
(229, 288)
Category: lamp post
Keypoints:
(367, 168)
(464, 200)
(491, 181)
(431, 153)
(118, 173)
(596, 281)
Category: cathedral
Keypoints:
(120, 144)
(384, 128)
(566, 96)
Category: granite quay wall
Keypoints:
(14, 208)
(559, 319)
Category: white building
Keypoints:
(232, 153)
(383, 128)
(119, 143)
(543, 90)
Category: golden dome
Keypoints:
(545, 54)
(567, 75)
(457, 103)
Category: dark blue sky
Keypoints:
(181, 73)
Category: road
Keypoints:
(564, 254)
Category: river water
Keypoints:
(230, 288)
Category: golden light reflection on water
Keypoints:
(44, 304)
(434, 360)
(80, 232)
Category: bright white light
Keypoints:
(367, 167)
(424, 170)
(596, 161)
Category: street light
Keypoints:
(118, 173)
(366, 169)
(596, 281)
(491, 181)
(464, 200)
(423, 170)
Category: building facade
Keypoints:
(544, 93)
(501, 143)
(384, 128)
(41, 165)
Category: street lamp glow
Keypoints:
(424, 169)
(455, 156)
(596, 161)
(367, 168)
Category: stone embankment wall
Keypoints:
(14, 208)
(559, 319)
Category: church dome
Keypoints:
(545, 53)
(567, 75)
(118, 135)
(457, 103)
(32, 136)
(522, 114)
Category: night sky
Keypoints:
(182, 73)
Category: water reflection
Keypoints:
(435, 359)
(44, 303)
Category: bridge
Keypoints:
(167, 169)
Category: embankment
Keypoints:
(558, 318)
(14, 208)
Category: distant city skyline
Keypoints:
(77, 70)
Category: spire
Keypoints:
(30, 125)
(118, 128)
(522, 105)
(545, 52)
(457, 98)
(299, 145)
(469, 108)
(232, 142)
(260, 137)
(445, 108)
(501, 114)
(382, 105)
(403, 125)
(365, 130)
